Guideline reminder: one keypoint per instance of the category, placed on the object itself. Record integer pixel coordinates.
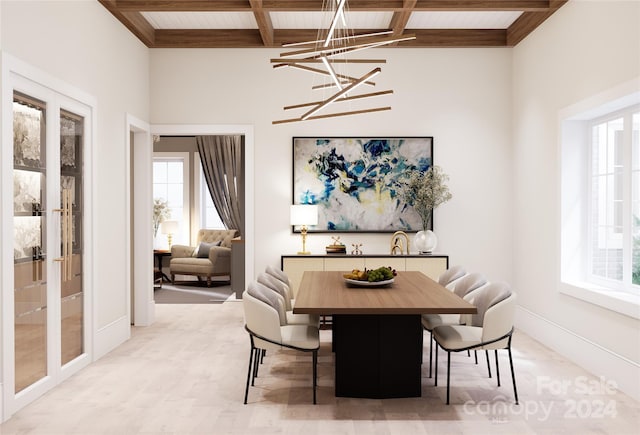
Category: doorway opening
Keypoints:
(180, 139)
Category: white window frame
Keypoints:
(623, 240)
(574, 205)
(185, 234)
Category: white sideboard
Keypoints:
(295, 265)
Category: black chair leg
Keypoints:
(249, 370)
(263, 353)
(430, 351)
(486, 352)
(315, 374)
(475, 354)
(448, 373)
(256, 364)
(513, 374)
(436, 369)
(497, 367)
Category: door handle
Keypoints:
(67, 237)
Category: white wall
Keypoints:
(461, 97)
(81, 43)
(585, 48)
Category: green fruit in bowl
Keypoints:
(380, 274)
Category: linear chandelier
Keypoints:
(329, 52)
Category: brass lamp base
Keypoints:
(304, 251)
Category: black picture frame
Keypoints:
(356, 181)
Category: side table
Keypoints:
(159, 255)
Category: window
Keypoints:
(614, 236)
(170, 175)
(209, 217)
(600, 200)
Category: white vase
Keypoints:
(425, 241)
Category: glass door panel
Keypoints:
(29, 247)
(71, 291)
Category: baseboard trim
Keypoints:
(593, 357)
(111, 336)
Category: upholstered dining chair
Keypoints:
(281, 288)
(464, 287)
(451, 275)
(491, 328)
(268, 330)
(281, 276)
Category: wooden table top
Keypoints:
(411, 293)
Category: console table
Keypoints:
(295, 265)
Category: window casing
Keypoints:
(171, 183)
(613, 239)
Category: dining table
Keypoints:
(377, 334)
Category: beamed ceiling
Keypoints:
(262, 23)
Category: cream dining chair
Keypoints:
(464, 287)
(491, 328)
(451, 275)
(281, 288)
(268, 330)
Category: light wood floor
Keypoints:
(186, 373)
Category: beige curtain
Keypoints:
(222, 160)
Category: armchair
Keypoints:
(193, 260)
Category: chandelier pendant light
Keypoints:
(330, 52)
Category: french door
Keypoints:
(49, 336)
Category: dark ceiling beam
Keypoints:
(316, 5)
(401, 18)
(528, 22)
(482, 5)
(221, 38)
(134, 21)
(229, 38)
(184, 5)
(128, 12)
(265, 26)
(456, 38)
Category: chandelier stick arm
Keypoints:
(322, 72)
(328, 85)
(375, 42)
(344, 91)
(354, 48)
(332, 73)
(317, 60)
(353, 97)
(331, 115)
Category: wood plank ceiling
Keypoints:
(263, 23)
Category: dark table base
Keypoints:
(377, 357)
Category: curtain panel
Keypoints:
(222, 160)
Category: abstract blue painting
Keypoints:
(357, 182)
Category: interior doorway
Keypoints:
(247, 132)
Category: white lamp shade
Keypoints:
(304, 214)
(169, 227)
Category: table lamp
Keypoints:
(303, 215)
(169, 228)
